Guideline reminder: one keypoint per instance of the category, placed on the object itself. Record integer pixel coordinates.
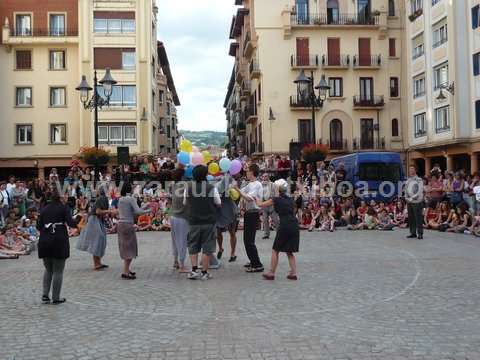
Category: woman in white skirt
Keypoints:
(127, 236)
(179, 222)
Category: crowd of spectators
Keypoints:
(451, 199)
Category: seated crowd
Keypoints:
(451, 201)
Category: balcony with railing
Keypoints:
(248, 45)
(19, 36)
(254, 69)
(335, 145)
(304, 62)
(245, 90)
(251, 113)
(336, 61)
(367, 61)
(301, 102)
(368, 102)
(368, 143)
(342, 20)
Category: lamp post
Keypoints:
(96, 101)
(306, 86)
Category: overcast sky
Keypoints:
(195, 34)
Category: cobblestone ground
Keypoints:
(362, 295)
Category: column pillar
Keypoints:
(428, 165)
(449, 162)
(473, 162)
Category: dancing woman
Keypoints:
(53, 245)
(179, 223)
(93, 237)
(288, 234)
(127, 237)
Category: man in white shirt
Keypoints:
(250, 193)
(4, 203)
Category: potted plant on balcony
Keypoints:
(93, 156)
(314, 152)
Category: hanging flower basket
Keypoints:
(314, 152)
(94, 156)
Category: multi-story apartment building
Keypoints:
(443, 46)
(46, 47)
(167, 100)
(356, 45)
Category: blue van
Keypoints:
(373, 168)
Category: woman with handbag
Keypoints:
(53, 245)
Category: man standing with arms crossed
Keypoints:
(252, 192)
(415, 203)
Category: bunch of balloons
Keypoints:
(190, 156)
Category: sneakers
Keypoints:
(194, 275)
(206, 276)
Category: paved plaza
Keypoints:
(361, 295)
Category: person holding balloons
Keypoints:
(252, 192)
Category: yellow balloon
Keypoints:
(213, 168)
(206, 156)
(234, 194)
(186, 145)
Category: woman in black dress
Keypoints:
(288, 234)
(53, 245)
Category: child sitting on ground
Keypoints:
(157, 222)
(384, 220)
(144, 222)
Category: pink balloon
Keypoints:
(235, 167)
(197, 159)
(195, 149)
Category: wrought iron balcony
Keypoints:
(360, 101)
(300, 101)
(335, 20)
(372, 61)
(336, 61)
(297, 61)
(254, 69)
(369, 144)
(251, 113)
(335, 144)
(43, 32)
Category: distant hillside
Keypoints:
(205, 138)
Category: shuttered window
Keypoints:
(23, 60)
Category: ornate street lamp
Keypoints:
(306, 92)
(96, 101)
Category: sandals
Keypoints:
(101, 267)
(268, 276)
(128, 277)
(292, 277)
(232, 259)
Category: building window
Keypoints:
(336, 87)
(58, 133)
(117, 134)
(161, 97)
(23, 60)
(153, 101)
(304, 131)
(57, 25)
(114, 26)
(476, 64)
(475, 16)
(23, 25)
(418, 47)
(395, 128)
(392, 47)
(128, 60)
(416, 5)
(419, 125)
(169, 108)
(419, 86)
(23, 96)
(336, 135)
(57, 96)
(122, 95)
(442, 119)
(57, 60)
(440, 33)
(394, 88)
(391, 7)
(477, 114)
(440, 76)
(24, 134)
